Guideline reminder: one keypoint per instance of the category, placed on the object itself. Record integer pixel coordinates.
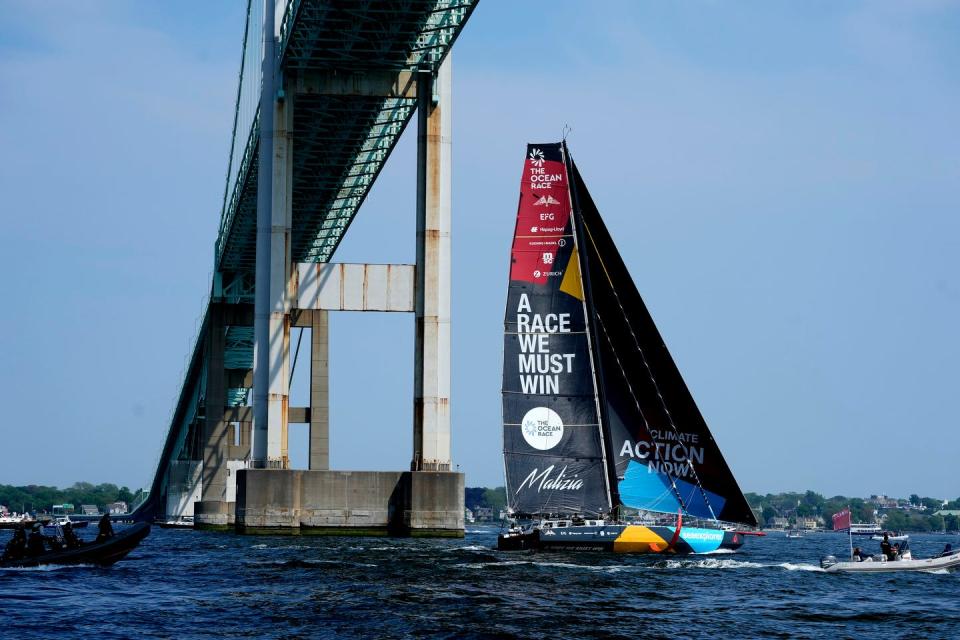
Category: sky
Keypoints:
(781, 178)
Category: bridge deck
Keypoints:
(340, 142)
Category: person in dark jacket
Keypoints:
(859, 555)
(35, 546)
(105, 527)
(947, 550)
(885, 547)
(70, 539)
(17, 547)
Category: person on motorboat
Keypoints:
(35, 542)
(896, 552)
(947, 550)
(885, 547)
(17, 547)
(70, 539)
(106, 528)
(860, 556)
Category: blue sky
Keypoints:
(782, 179)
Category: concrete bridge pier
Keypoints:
(427, 499)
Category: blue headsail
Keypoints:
(644, 488)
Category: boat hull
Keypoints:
(884, 566)
(103, 553)
(622, 538)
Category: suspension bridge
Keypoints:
(326, 87)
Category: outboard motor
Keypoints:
(828, 561)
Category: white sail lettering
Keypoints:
(539, 384)
(696, 454)
(534, 342)
(524, 303)
(527, 364)
(523, 323)
(662, 451)
(559, 483)
(551, 385)
(675, 469)
(543, 323)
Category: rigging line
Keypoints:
(547, 455)
(633, 395)
(686, 451)
(653, 379)
(236, 109)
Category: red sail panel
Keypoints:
(542, 218)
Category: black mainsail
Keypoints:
(616, 411)
(553, 447)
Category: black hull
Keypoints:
(99, 553)
(622, 539)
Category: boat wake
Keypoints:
(51, 567)
(669, 564)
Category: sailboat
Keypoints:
(597, 419)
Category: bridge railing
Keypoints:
(246, 111)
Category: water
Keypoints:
(186, 584)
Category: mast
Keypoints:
(595, 365)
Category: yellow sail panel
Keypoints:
(572, 283)
(639, 539)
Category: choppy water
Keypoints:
(185, 584)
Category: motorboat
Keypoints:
(103, 553)
(15, 520)
(900, 537)
(61, 517)
(59, 522)
(880, 564)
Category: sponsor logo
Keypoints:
(545, 200)
(547, 258)
(542, 428)
(537, 274)
(706, 536)
(533, 229)
(542, 480)
(536, 157)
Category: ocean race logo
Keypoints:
(671, 452)
(542, 428)
(546, 481)
(539, 177)
(539, 368)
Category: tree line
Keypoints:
(793, 505)
(809, 504)
(39, 498)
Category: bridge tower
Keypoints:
(339, 83)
